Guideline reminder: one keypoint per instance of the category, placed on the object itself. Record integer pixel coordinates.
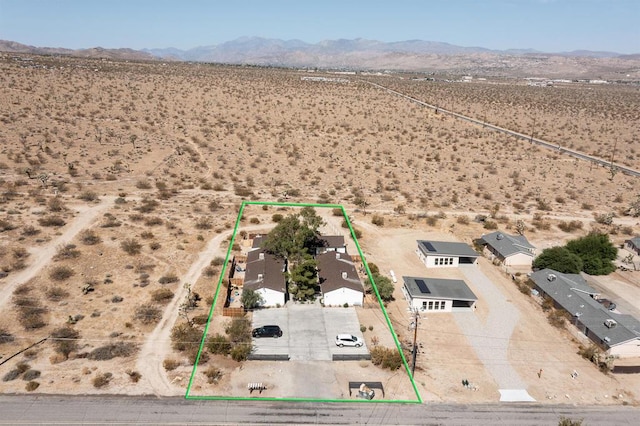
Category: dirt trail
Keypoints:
(158, 344)
(41, 256)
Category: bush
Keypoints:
(101, 380)
(112, 350)
(570, 226)
(31, 375)
(241, 352)
(204, 223)
(490, 224)
(5, 336)
(90, 237)
(67, 251)
(217, 261)
(213, 374)
(31, 386)
(11, 375)
(277, 218)
(134, 376)
(56, 205)
(88, 196)
(219, 344)
(50, 221)
(147, 314)
(61, 273)
(30, 230)
(386, 357)
(557, 318)
(65, 340)
(337, 212)
(200, 319)
(162, 295)
(185, 338)
(170, 364)
(377, 220)
(239, 330)
(131, 246)
(462, 220)
(169, 278)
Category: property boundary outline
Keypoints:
(374, 287)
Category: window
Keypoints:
(424, 305)
(436, 305)
(442, 305)
(430, 305)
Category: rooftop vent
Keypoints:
(499, 237)
(551, 277)
(260, 277)
(610, 323)
(607, 339)
(344, 275)
(260, 256)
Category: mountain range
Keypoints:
(363, 54)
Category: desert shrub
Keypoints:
(11, 375)
(168, 278)
(337, 212)
(49, 221)
(88, 196)
(143, 184)
(210, 271)
(101, 380)
(200, 319)
(65, 340)
(147, 313)
(5, 336)
(131, 246)
(61, 273)
(565, 421)
(386, 357)
(90, 237)
(67, 251)
(590, 353)
(117, 299)
(155, 245)
(162, 295)
(204, 223)
(56, 205)
(277, 217)
(214, 205)
(217, 261)
(219, 344)
(377, 220)
(6, 225)
(462, 219)
(31, 375)
(185, 338)
(170, 364)
(112, 350)
(241, 352)
(556, 318)
(30, 230)
(213, 374)
(239, 330)
(490, 224)
(134, 376)
(154, 221)
(147, 235)
(432, 220)
(31, 386)
(570, 226)
(56, 294)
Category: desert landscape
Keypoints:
(121, 183)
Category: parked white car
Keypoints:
(348, 340)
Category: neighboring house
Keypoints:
(436, 294)
(445, 254)
(510, 250)
(633, 245)
(618, 335)
(339, 281)
(265, 275)
(333, 243)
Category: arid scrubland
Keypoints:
(162, 154)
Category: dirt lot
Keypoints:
(121, 182)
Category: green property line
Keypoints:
(374, 286)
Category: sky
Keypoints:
(545, 25)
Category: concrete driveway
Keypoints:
(309, 332)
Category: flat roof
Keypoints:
(443, 248)
(438, 288)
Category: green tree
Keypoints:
(251, 299)
(384, 285)
(597, 253)
(559, 259)
(303, 279)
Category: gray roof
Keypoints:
(635, 241)
(573, 294)
(265, 271)
(332, 241)
(443, 248)
(331, 266)
(507, 245)
(438, 288)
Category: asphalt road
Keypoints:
(33, 409)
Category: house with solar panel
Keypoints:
(510, 250)
(438, 295)
(445, 254)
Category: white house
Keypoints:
(445, 254)
(438, 295)
(339, 281)
(510, 250)
(265, 276)
(331, 243)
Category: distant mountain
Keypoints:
(363, 54)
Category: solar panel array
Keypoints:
(429, 246)
(422, 286)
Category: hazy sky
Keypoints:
(547, 25)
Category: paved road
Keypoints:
(32, 409)
(530, 138)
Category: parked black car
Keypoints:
(267, 331)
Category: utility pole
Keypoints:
(416, 316)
